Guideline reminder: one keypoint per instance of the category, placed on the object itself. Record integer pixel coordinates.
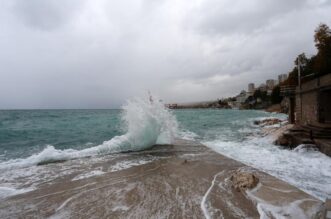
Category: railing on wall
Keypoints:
(287, 90)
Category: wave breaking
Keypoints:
(147, 123)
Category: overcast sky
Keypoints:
(98, 53)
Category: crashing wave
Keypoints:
(147, 122)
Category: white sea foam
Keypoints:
(88, 175)
(305, 148)
(204, 205)
(283, 210)
(120, 208)
(280, 116)
(8, 191)
(307, 169)
(147, 122)
(187, 135)
(122, 165)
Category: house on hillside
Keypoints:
(240, 98)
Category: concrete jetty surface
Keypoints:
(184, 180)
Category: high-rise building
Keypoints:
(251, 87)
(270, 84)
(282, 78)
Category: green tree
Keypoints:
(260, 94)
(322, 38)
(322, 62)
(318, 64)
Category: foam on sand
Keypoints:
(7, 191)
(289, 208)
(204, 204)
(308, 169)
(88, 175)
(186, 187)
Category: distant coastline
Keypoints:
(225, 105)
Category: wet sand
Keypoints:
(184, 180)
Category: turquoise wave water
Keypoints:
(228, 125)
(41, 136)
(26, 132)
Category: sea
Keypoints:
(33, 138)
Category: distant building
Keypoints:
(263, 87)
(251, 90)
(270, 84)
(251, 87)
(171, 106)
(282, 78)
(241, 97)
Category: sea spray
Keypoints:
(147, 123)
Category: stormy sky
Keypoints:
(97, 54)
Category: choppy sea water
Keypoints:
(32, 137)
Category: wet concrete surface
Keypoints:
(184, 180)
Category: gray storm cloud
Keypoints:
(97, 54)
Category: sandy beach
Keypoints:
(184, 180)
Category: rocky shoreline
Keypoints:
(291, 136)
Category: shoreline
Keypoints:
(185, 179)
